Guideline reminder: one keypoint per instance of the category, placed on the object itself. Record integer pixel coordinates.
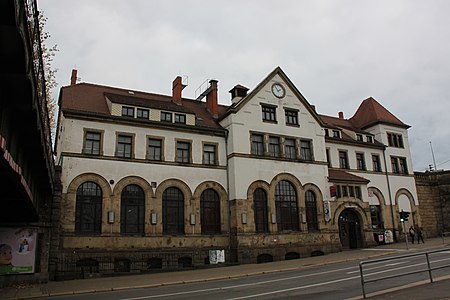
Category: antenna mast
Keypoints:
(432, 153)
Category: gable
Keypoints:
(263, 94)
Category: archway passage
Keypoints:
(350, 229)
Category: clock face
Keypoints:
(278, 90)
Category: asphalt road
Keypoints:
(333, 281)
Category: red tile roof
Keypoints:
(336, 122)
(336, 175)
(371, 112)
(91, 98)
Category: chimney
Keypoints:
(238, 92)
(73, 78)
(341, 115)
(177, 87)
(211, 99)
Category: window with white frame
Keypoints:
(306, 150)
(154, 149)
(290, 151)
(128, 111)
(92, 142)
(257, 144)
(360, 161)
(183, 152)
(166, 116)
(269, 113)
(209, 154)
(376, 163)
(142, 113)
(395, 140)
(343, 160)
(124, 147)
(274, 146)
(291, 117)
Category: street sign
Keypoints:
(327, 210)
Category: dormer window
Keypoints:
(369, 139)
(142, 113)
(336, 134)
(327, 132)
(179, 118)
(127, 111)
(359, 137)
(166, 117)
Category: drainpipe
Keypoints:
(389, 191)
(228, 194)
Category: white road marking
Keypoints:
(282, 279)
(239, 285)
(378, 267)
(296, 288)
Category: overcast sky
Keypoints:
(337, 53)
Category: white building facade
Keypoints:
(157, 182)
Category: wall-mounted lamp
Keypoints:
(110, 217)
(153, 218)
(244, 218)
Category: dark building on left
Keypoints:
(27, 172)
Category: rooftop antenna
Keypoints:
(202, 90)
(432, 153)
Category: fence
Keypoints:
(427, 269)
(96, 264)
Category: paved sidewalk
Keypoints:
(69, 287)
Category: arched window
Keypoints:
(286, 205)
(311, 211)
(132, 210)
(210, 212)
(88, 211)
(260, 210)
(375, 216)
(173, 211)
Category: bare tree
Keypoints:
(42, 59)
(48, 53)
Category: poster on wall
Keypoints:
(17, 250)
(216, 256)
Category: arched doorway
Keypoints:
(350, 229)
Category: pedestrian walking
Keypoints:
(412, 233)
(419, 234)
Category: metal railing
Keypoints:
(102, 264)
(427, 269)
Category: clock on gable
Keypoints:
(278, 90)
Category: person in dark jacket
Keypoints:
(419, 234)
(412, 233)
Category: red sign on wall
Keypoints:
(333, 191)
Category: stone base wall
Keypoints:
(433, 191)
(87, 263)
